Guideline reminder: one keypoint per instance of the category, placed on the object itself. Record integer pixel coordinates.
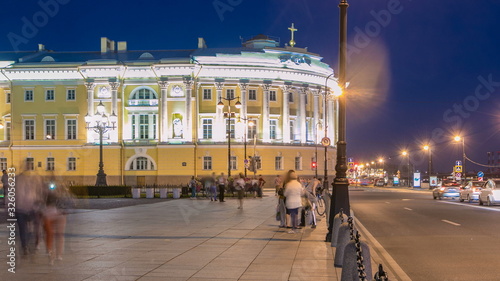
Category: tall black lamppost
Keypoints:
(316, 149)
(228, 114)
(340, 194)
(101, 123)
(429, 168)
(406, 154)
(464, 157)
(247, 124)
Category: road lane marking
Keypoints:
(472, 206)
(392, 264)
(406, 199)
(408, 209)
(387, 202)
(452, 223)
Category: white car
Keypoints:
(471, 191)
(490, 194)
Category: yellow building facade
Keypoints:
(169, 125)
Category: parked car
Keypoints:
(446, 192)
(379, 182)
(471, 191)
(490, 194)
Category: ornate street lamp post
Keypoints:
(247, 124)
(229, 115)
(101, 123)
(340, 194)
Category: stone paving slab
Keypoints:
(183, 240)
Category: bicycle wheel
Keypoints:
(320, 206)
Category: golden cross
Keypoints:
(292, 30)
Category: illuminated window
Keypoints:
(71, 129)
(230, 127)
(230, 94)
(207, 129)
(50, 129)
(272, 129)
(142, 163)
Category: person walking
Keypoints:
(239, 186)
(222, 182)
(278, 183)
(293, 193)
(192, 185)
(311, 194)
(254, 186)
(281, 202)
(261, 186)
(54, 218)
(213, 188)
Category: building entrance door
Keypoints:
(141, 180)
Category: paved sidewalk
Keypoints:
(182, 240)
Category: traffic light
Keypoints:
(314, 165)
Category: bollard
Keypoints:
(381, 275)
(344, 236)
(357, 261)
(337, 221)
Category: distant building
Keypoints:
(493, 160)
(169, 126)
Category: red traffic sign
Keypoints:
(480, 178)
(325, 141)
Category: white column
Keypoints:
(316, 136)
(286, 114)
(331, 122)
(90, 107)
(302, 115)
(114, 109)
(188, 118)
(219, 126)
(265, 112)
(163, 118)
(240, 129)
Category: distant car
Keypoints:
(352, 181)
(446, 192)
(490, 194)
(365, 182)
(471, 191)
(379, 182)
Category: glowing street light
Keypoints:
(462, 139)
(406, 154)
(428, 149)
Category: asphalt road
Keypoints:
(433, 239)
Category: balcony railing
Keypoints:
(152, 102)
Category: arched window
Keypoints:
(142, 163)
(144, 94)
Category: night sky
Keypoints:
(412, 75)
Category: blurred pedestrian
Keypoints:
(293, 193)
(281, 201)
(222, 182)
(239, 186)
(192, 185)
(54, 218)
(254, 186)
(278, 183)
(213, 188)
(311, 189)
(261, 186)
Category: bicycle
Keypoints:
(320, 203)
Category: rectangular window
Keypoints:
(290, 97)
(230, 127)
(278, 163)
(3, 164)
(143, 126)
(70, 94)
(229, 93)
(272, 129)
(233, 163)
(72, 164)
(50, 164)
(28, 95)
(258, 162)
(50, 129)
(30, 163)
(7, 130)
(207, 128)
(49, 95)
(29, 129)
(133, 127)
(7, 97)
(252, 94)
(252, 130)
(207, 94)
(272, 95)
(207, 162)
(292, 134)
(154, 126)
(71, 129)
(298, 163)
(141, 163)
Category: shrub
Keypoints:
(91, 191)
